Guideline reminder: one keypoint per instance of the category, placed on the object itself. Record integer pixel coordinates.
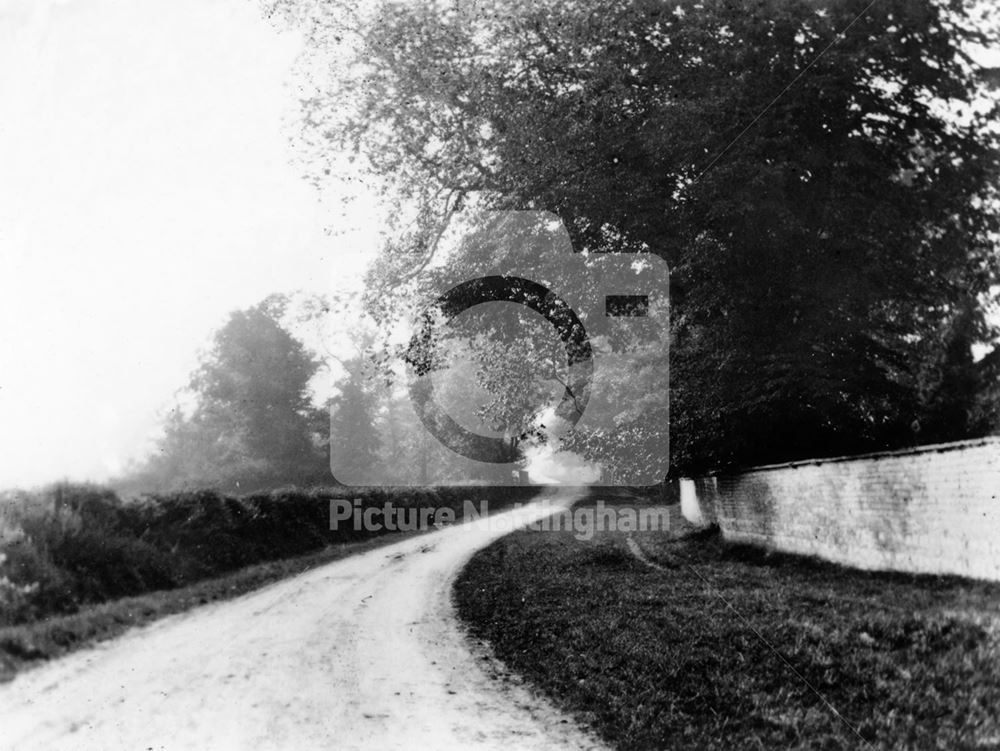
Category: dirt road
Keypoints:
(363, 653)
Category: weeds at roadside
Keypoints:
(731, 647)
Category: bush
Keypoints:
(71, 545)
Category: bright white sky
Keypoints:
(147, 188)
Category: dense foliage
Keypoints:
(821, 178)
(251, 423)
(72, 545)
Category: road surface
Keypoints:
(363, 653)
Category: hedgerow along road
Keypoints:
(362, 653)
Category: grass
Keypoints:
(28, 645)
(729, 647)
(78, 564)
(72, 546)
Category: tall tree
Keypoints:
(821, 177)
(354, 440)
(253, 424)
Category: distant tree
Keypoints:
(354, 440)
(253, 424)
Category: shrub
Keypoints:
(70, 545)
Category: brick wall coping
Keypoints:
(934, 448)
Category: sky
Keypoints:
(147, 188)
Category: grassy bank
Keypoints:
(727, 647)
(79, 564)
(72, 545)
(26, 645)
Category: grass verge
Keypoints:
(725, 646)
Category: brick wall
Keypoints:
(933, 509)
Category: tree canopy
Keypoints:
(820, 176)
(252, 424)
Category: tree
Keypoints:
(954, 384)
(821, 178)
(354, 441)
(252, 425)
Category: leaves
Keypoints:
(821, 179)
(252, 425)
